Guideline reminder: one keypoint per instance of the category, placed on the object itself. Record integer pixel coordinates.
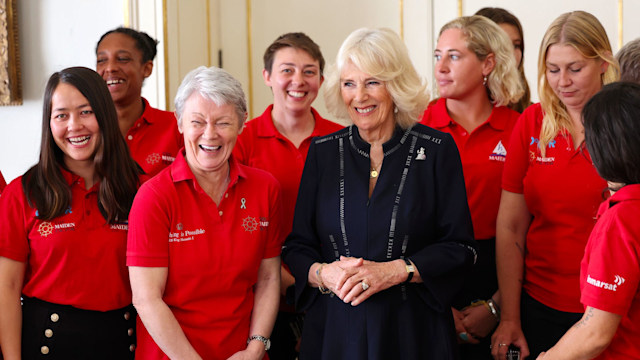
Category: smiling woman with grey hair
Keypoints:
(382, 235)
(205, 237)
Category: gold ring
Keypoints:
(365, 286)
(503, 344)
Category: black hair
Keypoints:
(612, 129)
(43, 184)
(145, 43)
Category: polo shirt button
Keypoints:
(132, 347)
(55, 317)
(220, 212)
(48, 333)
(44, 350)
(130, 137)
(138, 124)
(130, 332)
(127, 315)
(226, 195)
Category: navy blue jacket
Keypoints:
(417, 210)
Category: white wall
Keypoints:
(55, 34)
(536, 16)
(52, 37)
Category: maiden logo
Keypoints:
(47, 228)
(499, 153)
(542, 160)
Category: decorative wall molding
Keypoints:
(10, 73)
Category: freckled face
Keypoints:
(210, 133)
(294, 79)
(73, 125)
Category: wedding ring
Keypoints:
(365, 286)
(464, 336)
(503, 344)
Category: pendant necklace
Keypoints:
(373, 172)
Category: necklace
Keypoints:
(373, 173)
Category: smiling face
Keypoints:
(572, 77)
(74, 126)
(516, 40)
(369, 104)
(119, 62)
(294, 79)
(210, 133)
(458, 70)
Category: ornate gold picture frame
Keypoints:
(10, 84)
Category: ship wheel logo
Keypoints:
(153, 158)
(45, 229)
(250, 224)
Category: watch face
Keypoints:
(267, 345)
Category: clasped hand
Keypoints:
(476, 322)
(354, 280)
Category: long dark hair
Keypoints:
(43, 184)
(502, 16)
(611, 129)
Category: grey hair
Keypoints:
(214, 84)
(629, 58)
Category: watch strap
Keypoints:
(410, 270)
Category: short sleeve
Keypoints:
(14, 224)
(613, 267)
(517, 161)
(149, 225)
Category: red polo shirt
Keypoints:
(483, 153)
(76, 259)
(610, 272)
(212, 252)
(262, 146)
(562, 191)
(154, 139)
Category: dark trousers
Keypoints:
(543, 326)
(52, 331)
(284, 338)
(480, 284)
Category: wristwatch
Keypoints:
(410, 269)
(265, 341)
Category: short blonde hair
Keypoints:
(484, 37)
(583, 32)
(381, 54)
